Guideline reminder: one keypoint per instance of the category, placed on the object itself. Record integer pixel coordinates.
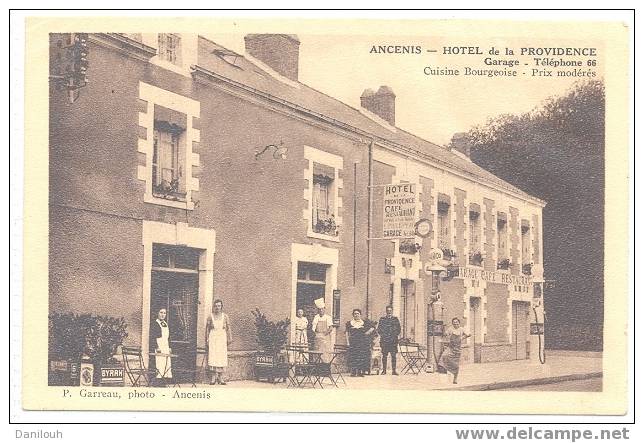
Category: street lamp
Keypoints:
(435, 327)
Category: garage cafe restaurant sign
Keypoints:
(493, 277)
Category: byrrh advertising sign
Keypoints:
(399, 210)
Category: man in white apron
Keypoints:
(322, 326)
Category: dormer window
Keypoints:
(170, 48)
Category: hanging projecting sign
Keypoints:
(399, 211)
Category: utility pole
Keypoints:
(369, 225)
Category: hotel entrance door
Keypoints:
(475, 328)
(520, 323)
(175, 287)
(311, 285)
(408, 309)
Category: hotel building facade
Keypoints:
(168, 187)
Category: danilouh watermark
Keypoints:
(39, 434)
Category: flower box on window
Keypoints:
(408, 246)
(326, 227)
(476, 259)
(527, 269)
(442, 206)
(449, 254)
(168, 190)
(504, 264)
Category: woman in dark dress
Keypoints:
(359, 334)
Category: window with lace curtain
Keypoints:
(170, 48)
(167, 154)
(502, 241)
(476, 257)
(323, 217)
(443, 217)
(526, 253)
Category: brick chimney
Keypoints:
(460, 143)
(281, 52)
(381, 103)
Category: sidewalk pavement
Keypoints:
(560, 366)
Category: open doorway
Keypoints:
(475, 328)
(311, 285)
(175, 287)
(520, 324)
(408, 309)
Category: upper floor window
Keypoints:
(526, 255)
(170, 48)
(323, 216)
(443, 206)
(168, 154)
(323, 186)
(166, 138)
(476, 257)
(502, 241)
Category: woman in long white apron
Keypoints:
(217, 339)
(161, 334)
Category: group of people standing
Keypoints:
(359, 332)
(359, 336)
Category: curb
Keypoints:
(529, 382)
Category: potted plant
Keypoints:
(527, 269)
(408, 246)
(270, 361)
(448, 254)
(476, 258)
(504, 264)
(90, 338)
(66, 347)
(326, 227)
(103, 336)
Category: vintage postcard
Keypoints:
(318, 215)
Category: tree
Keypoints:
(556, 153)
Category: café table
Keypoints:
(167, 367)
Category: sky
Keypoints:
(433, 107)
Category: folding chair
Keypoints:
(202, 366)
(336, 365)
(192, 375)
(300, 370)
(324, 370)
(135, 366)
(413, 356)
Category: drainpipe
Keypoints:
(369, 216)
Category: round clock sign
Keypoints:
(423, 227)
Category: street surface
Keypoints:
(590, 385)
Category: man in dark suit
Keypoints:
(389, 330)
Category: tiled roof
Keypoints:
(239, 69)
